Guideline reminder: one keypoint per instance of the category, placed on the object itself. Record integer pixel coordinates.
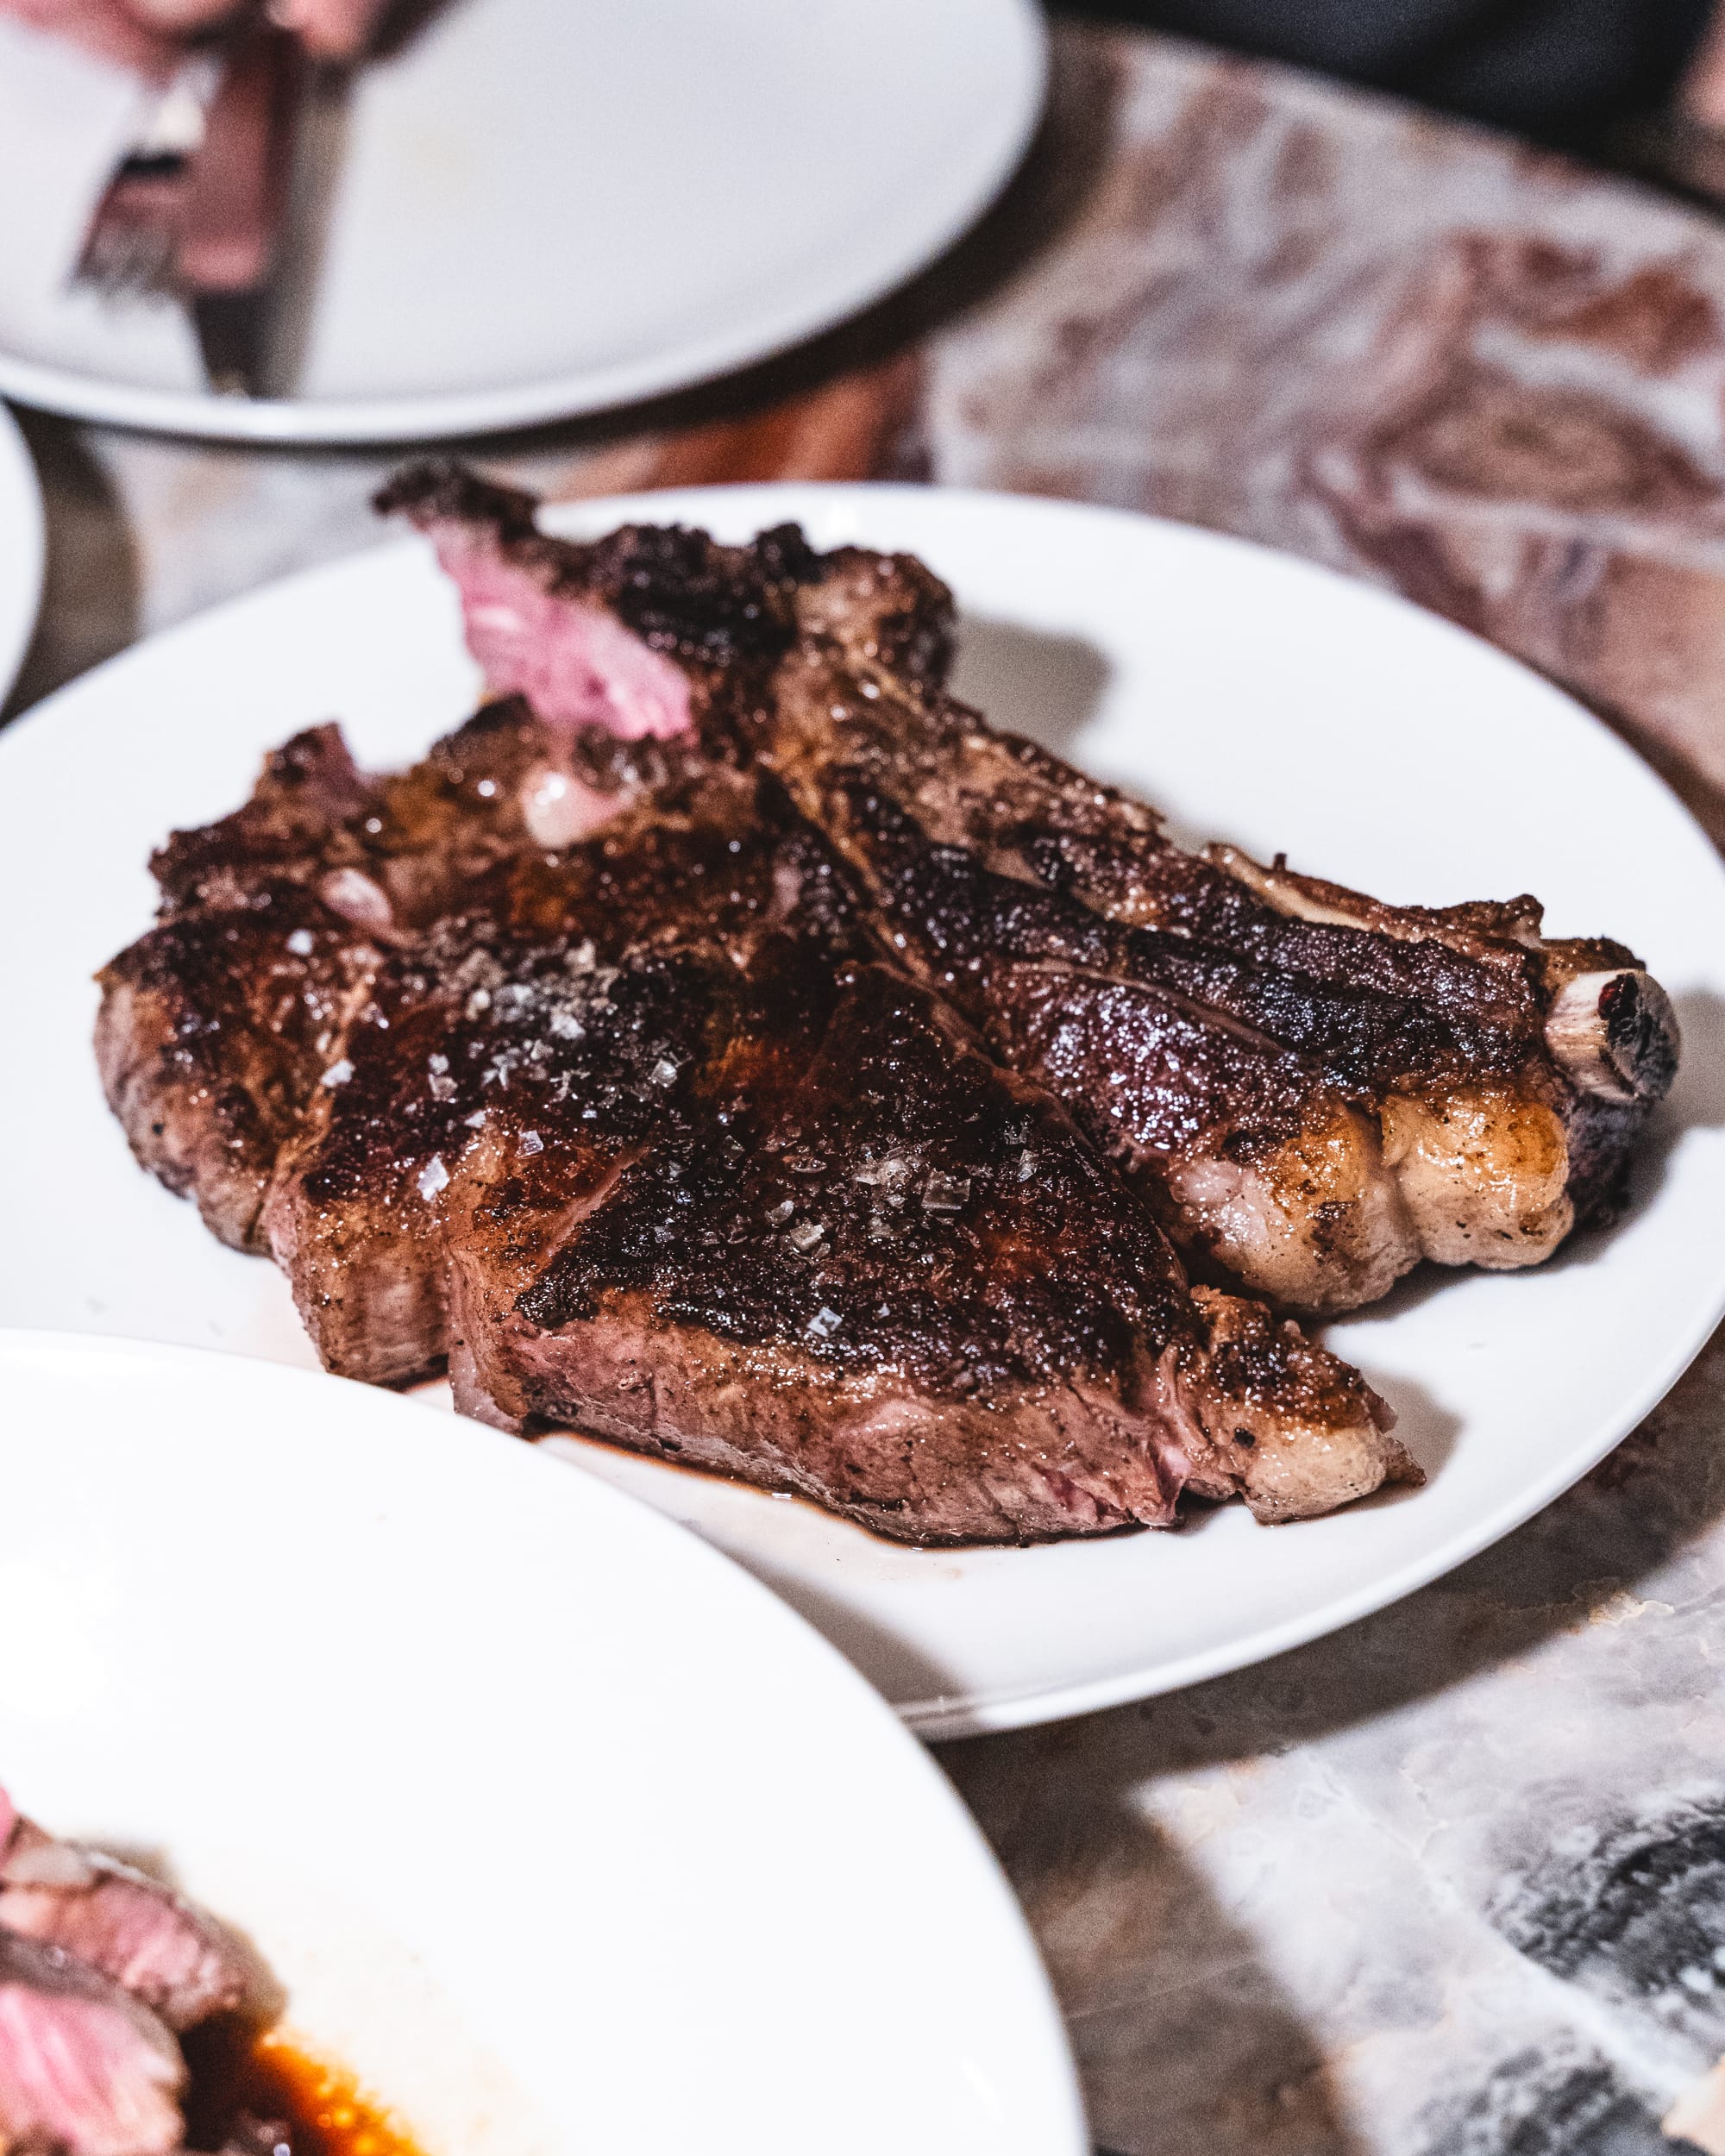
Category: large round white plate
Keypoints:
(545, 209)
(22, 549)
(556, 1829)
(1258, 698)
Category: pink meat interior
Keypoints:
(574, 664)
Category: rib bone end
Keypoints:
(1616, 1034)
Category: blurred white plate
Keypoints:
(1255, 697)
(546, 209)
(558, 1831)
(22, 550)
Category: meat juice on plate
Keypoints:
(130, 2024)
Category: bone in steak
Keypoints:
(1313, 1090)
(642, 1135)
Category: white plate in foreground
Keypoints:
(559, 1831)
(22, 549)
(543, 208)
(1255, 697)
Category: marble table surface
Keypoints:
(1451, 1883)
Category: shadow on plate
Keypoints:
(1424, 1425)
(91, 584)
(1030, 681)
(1644, 1504)
(889, 1662)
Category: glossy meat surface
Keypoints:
(643, 1135)
(1311, 1090)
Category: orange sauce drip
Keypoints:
(236, 2069)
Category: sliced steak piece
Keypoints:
(461, 1021)
(817, 1268)
(1313, 1090)
(900, 1283)
(655, 631)
(84, 2069)
(118, 1920)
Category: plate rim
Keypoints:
(943, 1716)
(20, 496)
(921, 1780)
(694, 363)
(937, 1718)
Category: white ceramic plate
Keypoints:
(1256, 697)
(546, 209)
(558, 1831)
(22, 549)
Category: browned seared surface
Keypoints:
(214, 1031)
(646, 1139)
(1312, 1090)
(704, 625)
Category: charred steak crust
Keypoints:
(725, 615)
(641, 1135)
(1428, 1100)
(1312, 1089)
(215, 1029)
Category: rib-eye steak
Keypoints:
(641, 1135)
(1311, 1090)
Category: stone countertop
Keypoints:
(1452, 1882)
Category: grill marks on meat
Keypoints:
(646, 1138)
(1312, 1089)
(656, 1150)
(826, 1269)
(1314, 1092)
(214, 1032)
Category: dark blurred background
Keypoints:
(1575, 73)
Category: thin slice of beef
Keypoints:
(1313, 1090)
(143, 1936)
(84, 2069)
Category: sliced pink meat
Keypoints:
(84, 2068)
(128, 1927)
(576, 665)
